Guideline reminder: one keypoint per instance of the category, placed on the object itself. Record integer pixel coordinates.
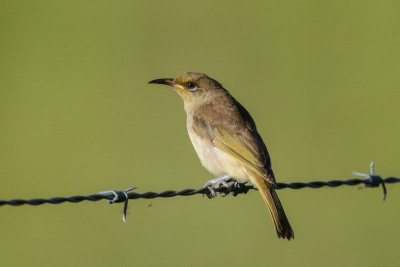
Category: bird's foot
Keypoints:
(217, 183)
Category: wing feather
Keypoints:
(228, 125)
(241, 148)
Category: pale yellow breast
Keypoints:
(215, 160)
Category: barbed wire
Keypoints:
(235, 188)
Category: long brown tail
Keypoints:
(282, 225)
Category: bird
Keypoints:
(226, 139)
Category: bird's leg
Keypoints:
(217, 183)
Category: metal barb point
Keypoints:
(119, 196)
(238, 187)
(373, 179)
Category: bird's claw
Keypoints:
(217, 183)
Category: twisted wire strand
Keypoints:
(234, 189)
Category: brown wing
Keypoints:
(231, 129)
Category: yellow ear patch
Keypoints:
(179, 86)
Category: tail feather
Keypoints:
(282, 225)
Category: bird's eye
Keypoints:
(190, 85)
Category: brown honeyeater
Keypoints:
(226, 139)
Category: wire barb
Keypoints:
(119, 196)
(373, 180)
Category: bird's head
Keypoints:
(193, 87)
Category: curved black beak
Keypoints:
(166, 81)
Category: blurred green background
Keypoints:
(77, 117)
